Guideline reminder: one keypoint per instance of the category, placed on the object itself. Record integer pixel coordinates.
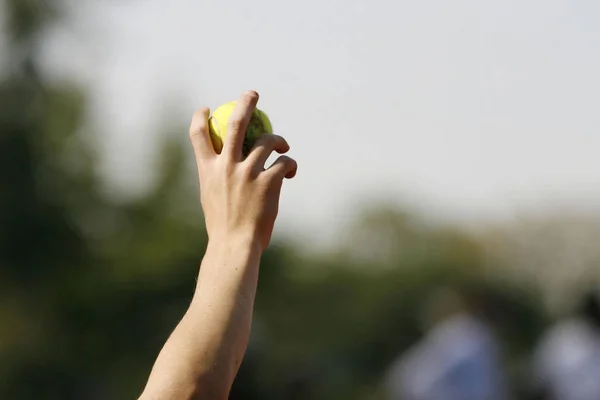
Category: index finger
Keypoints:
(238, 123)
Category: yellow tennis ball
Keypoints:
(259, 124)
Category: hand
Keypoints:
(239, 196)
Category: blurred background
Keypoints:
(439, 242)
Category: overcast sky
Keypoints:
(472, 108)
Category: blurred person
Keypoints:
(240, 199)
(567, 360)
(457, 359)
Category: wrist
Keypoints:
(225, 242)
(231, 262)
(239, 239)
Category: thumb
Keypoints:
(200, 136)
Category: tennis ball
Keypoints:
(259, 124)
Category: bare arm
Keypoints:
(203, 354)
(240, 200)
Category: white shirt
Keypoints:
(457, 360)
(567, 361)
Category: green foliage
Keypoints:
(27, 18)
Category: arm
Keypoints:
(240, 201)
(202, 356)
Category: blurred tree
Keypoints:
(338, 324)
(89, 288)
(557, 254)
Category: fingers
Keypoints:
(199, 134)
(264, 146)
(283, 167)
(238, 123)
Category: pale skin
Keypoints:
(240, 199)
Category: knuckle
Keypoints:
(195, 131)
(276, 138)
(229, 168)
(248, 172)
(267, 140)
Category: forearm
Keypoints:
(202, 356)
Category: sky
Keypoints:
(468, 110)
